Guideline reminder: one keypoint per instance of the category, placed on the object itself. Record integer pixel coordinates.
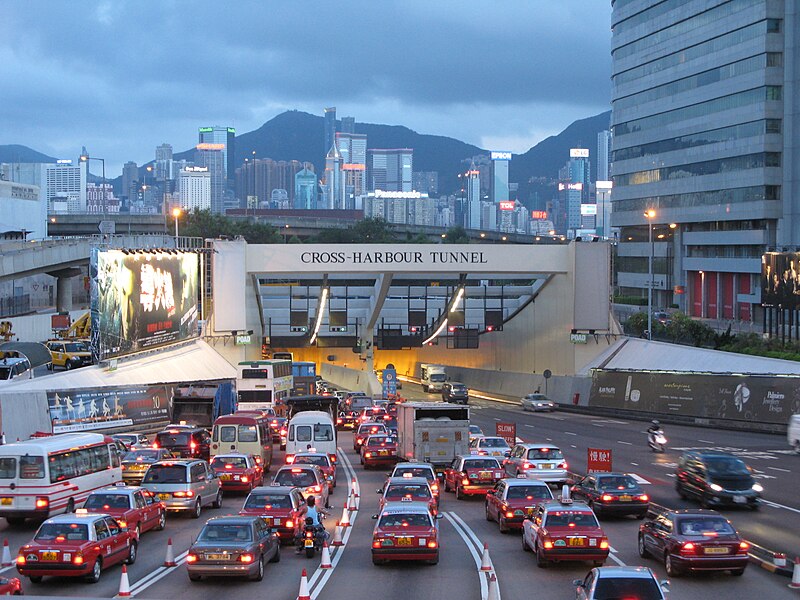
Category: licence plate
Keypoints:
(309, 543)
(485, 475)
(50, 556)
(225, 477)
(547, 466)
(267, 520)
(740, 499)
(715, 550)
(576, 541)
(5, 501)
(219, 556)
(164, 496)
(625, 498)
(404, 541)
(383, 452)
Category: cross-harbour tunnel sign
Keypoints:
(408, 258)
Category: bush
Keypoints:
(632, 300)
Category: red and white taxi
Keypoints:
(76, 545)
(378, 450)
(364, 431)
(133, 507)
(418, 469)
(11, 586)
(512, 499)
(321, 459)
(405, 531)
(237, 472)
(471, 475)
(562, 530)
(282, 507)
(408, 489)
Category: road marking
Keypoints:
(526, 425)
(549, 439)
(626, 443)
(779, 469)
(456, 522)
(639, 478)
(635, 464)
(7, 569)
(570, 433)
(573, 445)
(612, 421)
(706, 441)
(495, 418)
(597, 424)
(613, 556)
(776, 505)
(156, 575)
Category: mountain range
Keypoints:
(296, 135)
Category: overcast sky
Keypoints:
(121, 77)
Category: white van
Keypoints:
(793, 432)
(311, 429)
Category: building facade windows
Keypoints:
(709, 167)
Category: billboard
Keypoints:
(579, 153)
(780, 279)
(539, 214)
(142, 300)
(507, 431)
(737, 397)
(588, 209)
(103, 408)
(507, 205)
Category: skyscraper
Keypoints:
(164, 162)
(353, 148)
(334, 184)
(305, 190)
(390, 170)
(348, 125)
(330, 129)
(130, 180)
(224, 139)
(603, 155)
(473, 198)
(66, 182)
(499, 189)
(194, 188)
(573, 188)
(210, 156)
(704, 103)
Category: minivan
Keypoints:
(311, 430)
(716, 478)
(185, 441)
(184, 485)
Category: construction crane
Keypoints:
(79, 330)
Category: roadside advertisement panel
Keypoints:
(598, 460)
(104, 408)
(142, 300)
(780, 279)
(737, 397)
(507, 431)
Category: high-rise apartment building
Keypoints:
(67, 182)
(705, 135)
(257, 179)
(211, 156)
(390, 170)
(353, 148)
(604, 155)
(223, 139)
(402, 208)
(305, 189)
(426, 181)
(573, 189)
(130, 180)
(348, 125)
(334, 181)
(330, 129)
(194, 188)
(472, 210)
(164, 162)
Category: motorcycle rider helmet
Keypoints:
(656, 423)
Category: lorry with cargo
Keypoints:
(433, 432)
(432, 377)
(200, 404)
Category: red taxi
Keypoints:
(76, 545)
(321, 459)
(133, 507)
(408, 489)
(405, 531)
(560, 530)
(470, 475)
(282, 507)
(237, 472)
(378, 450)
(512, 499)
(417, 469)
(10, 586)
(277, 426)
(365, 430)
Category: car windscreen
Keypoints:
(617, 483)
(708, 526)
(372, 428)
(107, 501)
(141, 456)
(545, 454)
(415, 472)
(459, 388)
(75, 347)
(623, 587)
(64, 531)
(528, 492)
(408, 491)
(437, 377)
(226, 533)
(167, 439)
(568, 518)
(297, 479)
(481, 464)
(321, 461)
(267, 501)
(405, 520)
(377, 440)
(235, 462)
(166, 474)
(726, 466)
(475, 429)
(494, 443)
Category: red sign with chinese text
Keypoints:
(507, 431)
(538, 214)
(598, 460)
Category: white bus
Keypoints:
(46, 476)
(263, 383)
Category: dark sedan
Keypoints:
(693, 540)
(612, 494)
(233, 546)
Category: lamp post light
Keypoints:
(86, 158)
(650, 215)
(176, 212)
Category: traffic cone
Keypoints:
(345, 521)
(124, 585)
(351, 504)
(304, 595)
(169, 560)
(325, 563)
(486, 564)
(493, 594)
(779, 559)
(7, 562)
(795, 585)
(354, 487)
(337, 536)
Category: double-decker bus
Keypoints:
(305, 378)
(51, 475)
(263, 383)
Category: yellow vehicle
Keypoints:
(69, 354)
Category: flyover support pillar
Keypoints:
(64, 279)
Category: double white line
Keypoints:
(156, 575)
(475, 547)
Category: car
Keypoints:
(11, 586)
(185, 441)
(378, 450)
(233, 546)
(371, 414)
(281, 507)
(184, 485)
(512, 499)
(132, 507)
(691, 540)
(367, 429)
(322, 460)
(662, 317)
(132, 439)
(453, 391)
(537, 402)
(79, 544)
(616, 494)
(309, 478)
(564, 530)
(391, 425)
(238, 472)
(538, 461)
(277, 425)
(475, 432)
(347, 419)
(405, 531)
(472, 475)
(136, 462)
(418, 469)
(69, 354)
(620, 582)
(408, 489)
(489, 445)
(716, 479)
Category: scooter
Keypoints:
(657, 441)
(313, 537)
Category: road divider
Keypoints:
(480, 554)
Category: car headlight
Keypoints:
(757, 487)
(716, 487)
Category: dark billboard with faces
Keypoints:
(780, 279)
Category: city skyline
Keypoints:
(142, 79)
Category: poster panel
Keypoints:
(103, 408)
(780, 279)
(507, 431)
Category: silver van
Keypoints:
(182, 485)
(793, 432)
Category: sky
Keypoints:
(121, 77)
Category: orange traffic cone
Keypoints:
(169, 560)
(354, 487)
(325, 563)
(351, 503)
(124, 585)
(6, 561)
(486, 564)
(304, 595)
(337, 536)
(345, 521)
(494, 593)
(795, 585)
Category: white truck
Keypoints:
(433, 377)
(434, 432)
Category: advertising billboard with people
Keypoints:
(780, 279)
(142, 300)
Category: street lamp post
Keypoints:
(176, 212)
(650, 214)
(87, 158)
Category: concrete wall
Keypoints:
(351, 379)
(24, 413)
(35, 328)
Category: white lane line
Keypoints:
(706, 441)
(495, 418)
(613, 556)
(3, 570)
(526, 425)
(635, 464)
(776, 505)
(472, 550)
(597, 424)
(779, 469)
(626, 443)
(156, 575)
(639, 479)
(570, 433)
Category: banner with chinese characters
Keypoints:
(598, 460)
(104, 408)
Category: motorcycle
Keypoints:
(657, 441)
(313, 537)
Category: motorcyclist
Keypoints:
(314, 513)
(655, 428)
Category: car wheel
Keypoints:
(97, 568)
(641, 516)
(541, 561)
(193, 577)
(277, 557)
(35, 578)
(259, 576)
(525, 546)
(68, 366)
(488, 514)
(501, 522)
(670, 567)
(162, 522)
(195, 514)
(446, 486)
(132, 553)
(737, 572)
(218, 500)
(138, 531)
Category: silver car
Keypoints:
(537, 402)
(620, 582)
(537, 461)
(184, 485)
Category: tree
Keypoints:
(456, 235)
(373, 231)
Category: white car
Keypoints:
(537, 402)
(489, 445)
(620, 582)
(475, 432)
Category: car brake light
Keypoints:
(434, 487)
(229, 466)
(375, 544)
(744, 547)
(309, 534)
(332, 457)
(338, 421)
(193, 445)
(604, 544)
(42, 502)
(562, 465)
(289, 459)
(509, 514)
(186, 494)
(190, 558)
(368, 455)
(526, 466)
(644, 498)
(433, 544)
(687, 548)
(317, 488)
(465, 481)
(606, 497)
(20, 560)
(246, 558)
(548, 544)
(289, 523)
(155, 444)
(245, 479)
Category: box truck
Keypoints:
(434, 432)
(433, 377)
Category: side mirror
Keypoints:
(577, 583)
(375, 517)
